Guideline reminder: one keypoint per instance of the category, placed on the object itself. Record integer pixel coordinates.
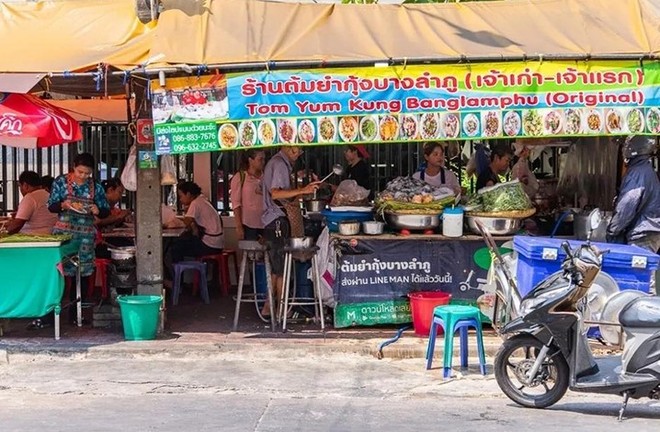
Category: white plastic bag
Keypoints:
(167, 170)
(129, 173)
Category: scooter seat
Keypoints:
(641, 312)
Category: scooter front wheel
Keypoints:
(513, 362)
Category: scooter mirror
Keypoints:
(595, 219)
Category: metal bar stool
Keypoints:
(253, 251)
(287, 300)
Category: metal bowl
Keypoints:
(495, 226)
(301, 242)
(373, 227)
(412, 221)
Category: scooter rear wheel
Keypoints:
(516, 357)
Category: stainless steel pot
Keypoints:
(315, 205)
(349, 227)
(495, 226)
(122, 253)
(581, 226)
(373, 227)
(412, 221)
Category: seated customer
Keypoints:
(203, 234)
(114, 190)
(33, 216)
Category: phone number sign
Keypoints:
(186, 138)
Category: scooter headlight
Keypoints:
(529, 305)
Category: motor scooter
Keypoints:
(546, 350)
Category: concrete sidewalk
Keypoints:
(87, 343)
(196, 329)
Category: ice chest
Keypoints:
(332, 218)
(538, 257)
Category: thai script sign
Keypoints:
(390, 269)
(401, 104)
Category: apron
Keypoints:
(81, 227)
(291, 208)
(422, 175)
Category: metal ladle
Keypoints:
(336, 170)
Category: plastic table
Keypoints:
(31, 285)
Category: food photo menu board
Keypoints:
(405, 104)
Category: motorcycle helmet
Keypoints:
(638, 145)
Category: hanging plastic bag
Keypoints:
(167, 170)
(129, 173)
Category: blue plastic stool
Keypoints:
(181, 267)
(458, 318)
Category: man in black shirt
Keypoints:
(357, 168)
(500, 158)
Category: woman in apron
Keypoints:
(434, 172)
(77, 199)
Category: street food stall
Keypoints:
(486, 80)
(564, 100)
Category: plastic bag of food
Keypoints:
(167, 170)
(504, 197)
(129, 173)
(348, 193)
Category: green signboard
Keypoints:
(406, 104)
(367, 314)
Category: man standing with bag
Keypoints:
(282, 218)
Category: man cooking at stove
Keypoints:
(282, 218)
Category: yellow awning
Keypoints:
(71, 35)
(240, 31)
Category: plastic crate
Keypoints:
(538, 257)
(332, 218)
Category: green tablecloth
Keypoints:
(30, 283)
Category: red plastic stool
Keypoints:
(102, 268)
(221, 262)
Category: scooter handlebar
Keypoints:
(567, 249)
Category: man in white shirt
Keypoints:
(33, 216)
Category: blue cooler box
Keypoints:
(538, 257)
(332, 218)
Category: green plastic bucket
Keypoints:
(139, 316)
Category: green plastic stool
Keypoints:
(453, 318)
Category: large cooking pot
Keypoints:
(122, 253)
(123, 258)
(581, 226)
(315, 205)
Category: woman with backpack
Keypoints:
(246, 195)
